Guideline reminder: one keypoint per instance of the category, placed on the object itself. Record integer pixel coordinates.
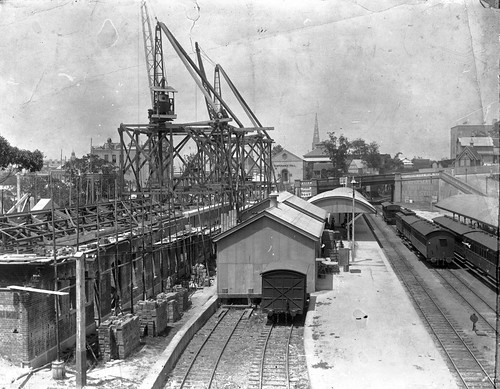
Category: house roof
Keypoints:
(339, 200)
(302, 205)
(477, 141)
(290, 155)
(287, 216)
(470, 152)
(359, 163)
(319, 153)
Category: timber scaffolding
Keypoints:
(136, 246)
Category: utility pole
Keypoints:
(81, 351)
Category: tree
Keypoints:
(22, 159)
(337, 149)
(277, 149)
(390, 165)
(79, 169)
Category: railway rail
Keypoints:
(273, 359)
(484, 310)
(473, 369)
(198, 368)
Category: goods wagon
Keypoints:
(283, 292)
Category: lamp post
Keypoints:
(353, 182)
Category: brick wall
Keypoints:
(28, 319)
(13, 327)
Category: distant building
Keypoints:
(444, 163)
(318, 162)
(359, 167)
(110, 152)
(484, 146)
(288, 167)
(464, 130)
(407, 164)
(468, 157)
(421, 163)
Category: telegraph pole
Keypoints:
(81, 351)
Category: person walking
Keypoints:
(473, 319)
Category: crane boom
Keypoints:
(147, 34)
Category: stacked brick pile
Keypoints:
(182, 297)
(153, 316)
(174, 309)
(119, 336)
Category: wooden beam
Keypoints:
(35, 290)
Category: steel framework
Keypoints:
(230, 164)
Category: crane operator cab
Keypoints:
(163, 106)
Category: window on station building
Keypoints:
(106, 157)
(114, 158)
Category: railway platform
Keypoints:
(365, 332)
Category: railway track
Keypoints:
(484, 310)
(236, 349)
(198, 365)
(272, 358)
(471, 367)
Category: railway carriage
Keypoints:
(473, 244)
(435, 244)
(404, 222)
(389, 211)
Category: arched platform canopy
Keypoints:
(481, 209)
(339, 200)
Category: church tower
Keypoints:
(316, 134)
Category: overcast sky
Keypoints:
(395, 72)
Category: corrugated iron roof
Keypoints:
(345, 194)
(478, 141)
(302, 205)
(481, 208)
(286, 215)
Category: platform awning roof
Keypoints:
(339, 200)
(480, 208)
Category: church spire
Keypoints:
(316, 133)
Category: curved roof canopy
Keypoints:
(339, 200)
(481, 208)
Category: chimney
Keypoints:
(273, 200)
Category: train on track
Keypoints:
(443, 239)
(283, 292)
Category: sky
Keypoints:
(400, 73)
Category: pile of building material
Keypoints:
(167, 308)
(119, 336)
(153, 315)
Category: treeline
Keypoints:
(342, 151)
(20, 159)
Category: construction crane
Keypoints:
(162, 94)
